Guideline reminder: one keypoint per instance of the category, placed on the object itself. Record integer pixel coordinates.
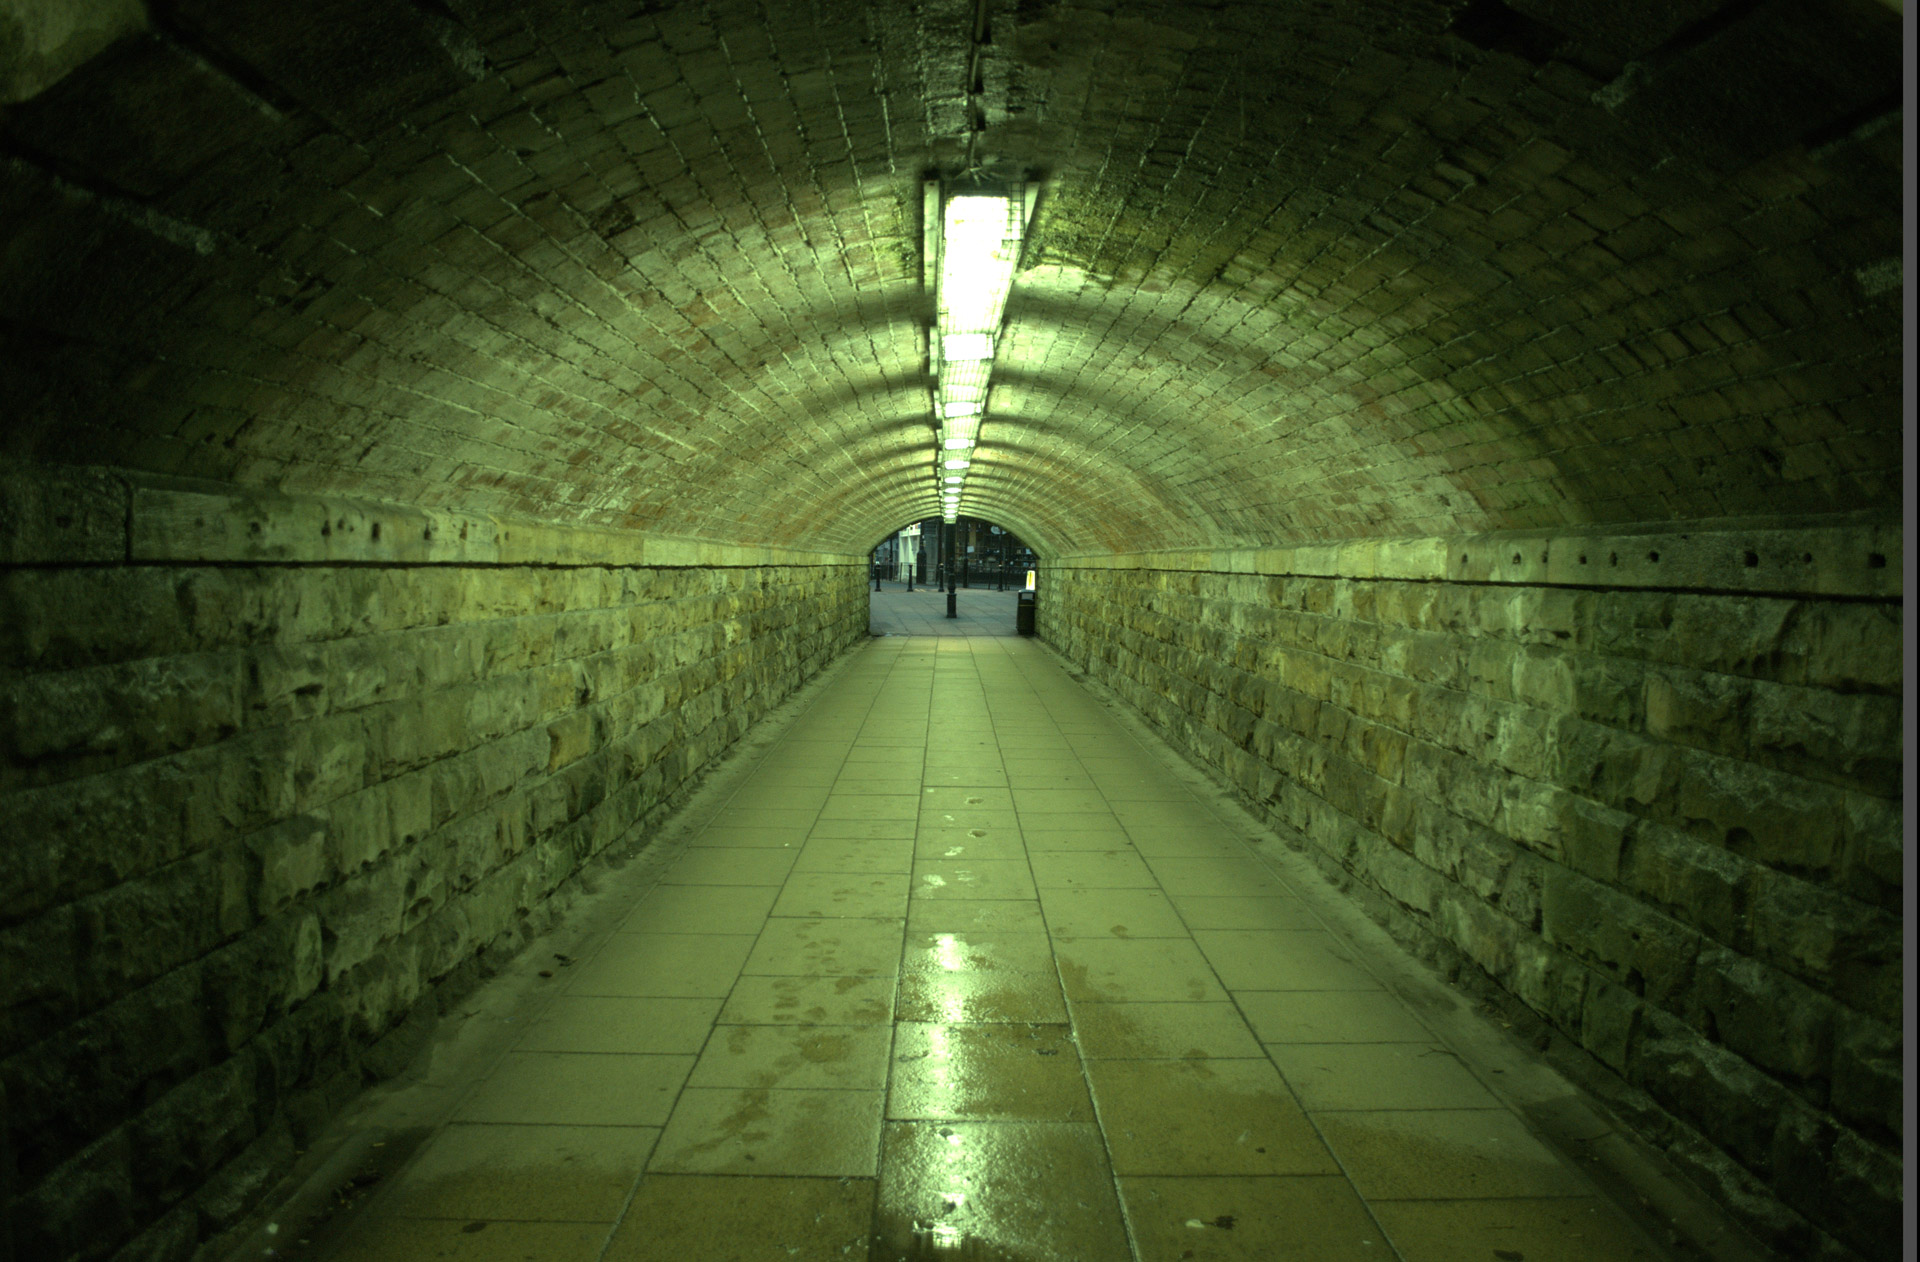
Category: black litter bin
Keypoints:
(1023, 614)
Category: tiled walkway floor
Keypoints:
(965, 971)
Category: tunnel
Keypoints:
(446, 448)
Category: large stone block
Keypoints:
(1849, 951)
(1872, 865)
(1773, 1021)
(1845, 646)
(1641, 949)
(135, 931)
(1710, 1087)
(51, 516)
(1706, 711)
(1550, 982)
(1869, 1074)
(1852, 739)
(1704, 885)
(66, 619)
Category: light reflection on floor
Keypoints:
(964, 971)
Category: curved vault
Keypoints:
(1297, 272)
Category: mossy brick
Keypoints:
(67, 619)
(1698, 882)
(288, 860)
(41, 978)
(1777, 1023)
(1848, 951)
(1608, 690)
(1706, 711)
(1482, 934)
(1865, 1185)
(1550, 982)
(1848, 647)
(1873, 855)
(1851, 739)
(1610, 1017)
(1708, 1086)
(1772, 818)
(135, 931)
(1869, 1075)
(1641, 949)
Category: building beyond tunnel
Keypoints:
(434, 432)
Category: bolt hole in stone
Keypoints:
(1516, 558)
(1613, 558)
(1752, 559)
(376, 532)
(1876, 561)
(1583, 560)
(1653, 556)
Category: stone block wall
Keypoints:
(1649, 785)
(273, 772)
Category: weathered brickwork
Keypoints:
(1668, 821)
(256, 814)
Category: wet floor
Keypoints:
(964, 970)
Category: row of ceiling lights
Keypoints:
(978, 249)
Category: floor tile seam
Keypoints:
(707, 1041)
(1086, 1082)
(875, 1225)
(1293, 1094)
(1333, 1154)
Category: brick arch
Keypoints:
(1406, 287)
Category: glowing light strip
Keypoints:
(980, 247)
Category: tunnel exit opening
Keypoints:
(962, 574)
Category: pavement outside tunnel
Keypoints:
(978, 611)
(965, 970)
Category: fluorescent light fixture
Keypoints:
(960, 429)
(966, 346)
(980, 247)
(978, 251)
(965, 379)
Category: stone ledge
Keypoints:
(1851, 558)
(90, 516)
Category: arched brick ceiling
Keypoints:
(1297, 271)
